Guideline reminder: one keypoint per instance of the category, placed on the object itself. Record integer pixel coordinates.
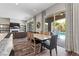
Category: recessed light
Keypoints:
(17, 3)
(61, 14)
(1, 26)
(35, 10)
(46, 23)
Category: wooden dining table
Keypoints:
(42, 38)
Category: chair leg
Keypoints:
(56, 50)
(41, 47)
(34, 51)
(50, 52)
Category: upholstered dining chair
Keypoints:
(34, 44)
(51, 44)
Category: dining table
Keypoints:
(42, 38)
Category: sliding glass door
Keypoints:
(59, 27)
(56, 23)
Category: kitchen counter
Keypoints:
(2, 36)
(6, 44)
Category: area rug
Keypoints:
(22, 48)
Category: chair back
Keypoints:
(30, 37)
(36, 32)
(46, 33)
(53, 41)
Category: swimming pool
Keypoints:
(61, 35)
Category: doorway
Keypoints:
(58, 26)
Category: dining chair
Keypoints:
(46, 33)
(51, 44)
(34, 44)
(28, 36)
(36, 32)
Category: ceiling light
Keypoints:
(46, 23)
(35, 10)
(17, 3)
(61, 14)
(1, 26)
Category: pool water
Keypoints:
(61, 35)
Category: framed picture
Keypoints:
(38, 24)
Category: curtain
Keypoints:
(69, 21)
(72, 34)
(76, 27)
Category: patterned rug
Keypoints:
(22, 48)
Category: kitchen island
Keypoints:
(6, 44)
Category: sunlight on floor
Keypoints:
(62, 37)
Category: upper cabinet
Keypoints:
(4, 21)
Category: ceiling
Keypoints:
(22, 11)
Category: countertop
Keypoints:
(2, 36)
(6, 44)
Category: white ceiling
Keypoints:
(22, 11)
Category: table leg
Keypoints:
(41, 46)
